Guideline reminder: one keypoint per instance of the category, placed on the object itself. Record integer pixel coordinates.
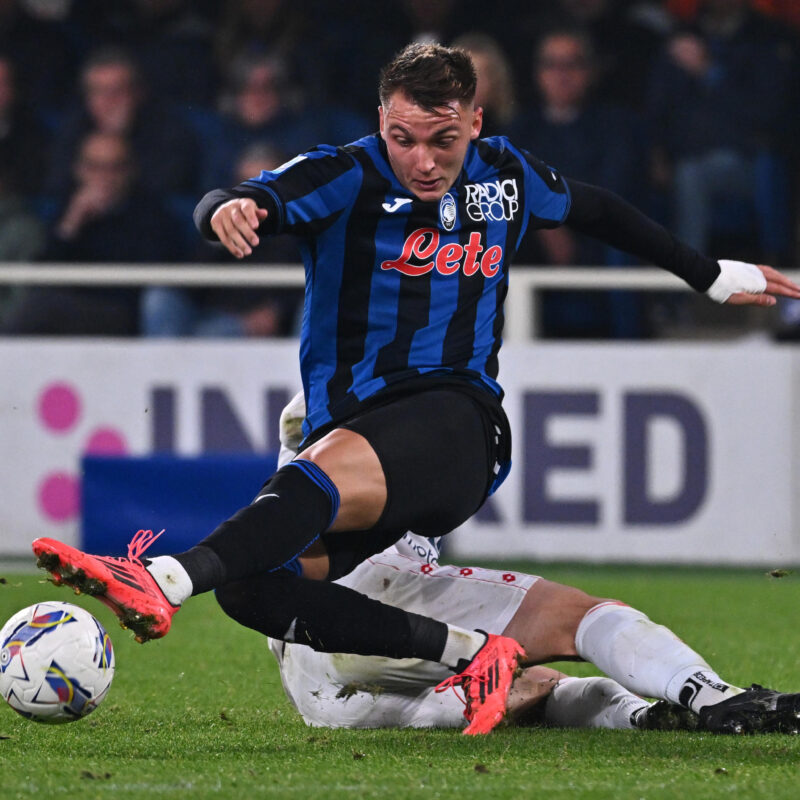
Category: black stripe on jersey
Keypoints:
(459, 341)
(357, 268)
(413, 313)
(311, 229)
(492, 363)
(316, 172)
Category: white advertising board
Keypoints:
(635, 452)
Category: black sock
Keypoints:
(204, 568)
(330, 617)
(293, 508)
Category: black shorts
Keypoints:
(442, 446)
(439, 449)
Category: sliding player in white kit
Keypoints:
(353, 691)
(336, 690)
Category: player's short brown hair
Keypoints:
(431, 75)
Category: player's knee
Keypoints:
(233, 599)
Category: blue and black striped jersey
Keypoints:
(397, 288)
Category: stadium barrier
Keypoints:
(521, 307)
(636, 452)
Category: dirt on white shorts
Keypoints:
(338, 690)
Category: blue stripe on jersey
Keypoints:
(318, 338)
(324, 201)
(427, 343)
(382, 311)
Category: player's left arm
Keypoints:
(599, 213)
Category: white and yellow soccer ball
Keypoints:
(56, 662)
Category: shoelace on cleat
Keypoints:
(464, 681)
(451, 683)
(140, 542)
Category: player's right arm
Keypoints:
(235, 223)
(232, 217)
(300, 197)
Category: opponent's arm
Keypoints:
(604, 215)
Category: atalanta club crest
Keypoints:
(447, 212)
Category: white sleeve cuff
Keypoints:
(736, 276)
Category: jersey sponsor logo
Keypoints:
(447, 212)
(399, 202)
(493, 200)
(422, 254)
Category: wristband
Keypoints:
(736, 276)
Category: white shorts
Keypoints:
(336, 690)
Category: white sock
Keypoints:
(461, 647)
(171, 578)
(591, 703)
(647, 658)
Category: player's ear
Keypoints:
(477, 123)
(381, 121)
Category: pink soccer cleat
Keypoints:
(486, 683)
(123, 584)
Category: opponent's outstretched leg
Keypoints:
(560, 622)
(651, 660)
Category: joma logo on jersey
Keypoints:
(422, 254)
(494, 200)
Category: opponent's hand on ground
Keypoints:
(236, 222)
(740, 283)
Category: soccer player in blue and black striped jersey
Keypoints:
(408, 236)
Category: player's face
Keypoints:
(427, 149)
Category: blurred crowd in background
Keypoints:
(116, 117)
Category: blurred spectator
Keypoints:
(115, 101)
(261, 104)
(495, 88)
(23, 140)
(45, 55)
(353, 54)
(106, 218)
(281, 28)
(788, 10)
(174, 45)
(724, 128)
(590, 141)
(625, 39)
(174, 311)
(429, 21)
(22, 235)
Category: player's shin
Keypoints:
(647, 658)
(293, 508)
(591, 703)
(330, 617)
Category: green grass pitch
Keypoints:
(201, 714)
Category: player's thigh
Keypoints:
(435, 450)
(547, 619)
(351, 464)
(470, 597)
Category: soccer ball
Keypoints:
(56, 662)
